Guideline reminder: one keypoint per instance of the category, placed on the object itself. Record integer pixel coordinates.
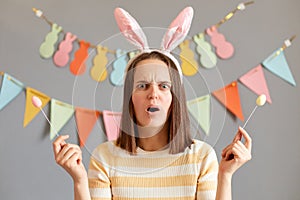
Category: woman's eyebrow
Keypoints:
(165, 82)
(159, 82)
(142, 81)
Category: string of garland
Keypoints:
(208, 53)
(199, 107)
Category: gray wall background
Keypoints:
(28, 170)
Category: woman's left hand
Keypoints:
(236, 154)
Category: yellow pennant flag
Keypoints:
(30, 110)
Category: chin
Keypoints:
(156, 123)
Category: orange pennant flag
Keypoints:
(30, 110)
(229, 97)
(85, 120)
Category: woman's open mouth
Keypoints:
(152, 109)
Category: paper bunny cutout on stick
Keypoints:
(175, 34)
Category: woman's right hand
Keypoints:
(69, 156)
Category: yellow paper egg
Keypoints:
(261, 100)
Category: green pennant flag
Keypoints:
(200, 110)
(60, 115)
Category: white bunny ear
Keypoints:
(178, 30)
(131, 29)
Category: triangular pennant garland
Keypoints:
(10, 89)
(200, 110)
(85, 120)
(278, 65)
(112, 124)
(30, 110)
(255, 81)
(229, 97)
(60, 115)
(199, 107)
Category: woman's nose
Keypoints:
(153, 91)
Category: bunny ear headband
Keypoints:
(175, 34)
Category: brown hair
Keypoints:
(179, 124)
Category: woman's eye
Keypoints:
(141, 86)
(165, 86)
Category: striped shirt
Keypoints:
(115, 174)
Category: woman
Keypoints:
(154, 156)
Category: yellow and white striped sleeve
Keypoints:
(99, 183)
(208, 179)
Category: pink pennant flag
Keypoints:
(112, 124)
(255, 81)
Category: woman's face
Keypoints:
(151, 94)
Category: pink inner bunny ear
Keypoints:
(131, 29)
(178, 29)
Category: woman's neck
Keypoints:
(157, 141)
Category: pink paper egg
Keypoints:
(36, 101)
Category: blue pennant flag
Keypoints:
(10, 89)
(277, 64)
